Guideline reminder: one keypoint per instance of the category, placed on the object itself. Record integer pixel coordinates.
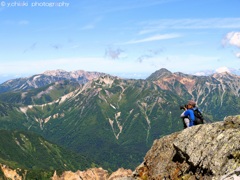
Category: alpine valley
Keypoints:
(103, 120)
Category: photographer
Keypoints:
(185, 119)
(188, 114)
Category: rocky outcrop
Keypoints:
(95, 174)
(12, 174)
(89, 174)
(121, 174)
(209, 151)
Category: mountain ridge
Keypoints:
(48, 77)
(114, 119)
(83, 76)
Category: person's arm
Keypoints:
(182, 115)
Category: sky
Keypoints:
(126, 38)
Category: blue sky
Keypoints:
(128, 38)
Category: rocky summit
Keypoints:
(209, 151)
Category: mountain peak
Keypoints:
(73, 74)
(159, 74)
(55, 72)
(224, 74)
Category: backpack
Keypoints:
(199, 119)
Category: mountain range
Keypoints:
(111, 120)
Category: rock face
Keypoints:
(209, 151)
(121, 174)
(10, 173)
(95, 174)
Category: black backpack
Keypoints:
(198, 117)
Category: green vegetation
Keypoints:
(32, 152)
(111, 121)
(40, 95)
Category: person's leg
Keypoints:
(187, 122)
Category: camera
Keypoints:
(183, 107)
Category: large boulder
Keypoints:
(209, 151)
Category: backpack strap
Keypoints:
(199, 117)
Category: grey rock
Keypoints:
(207, 151)
(235, 175)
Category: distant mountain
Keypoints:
(218, 92)
(48, 77)
(114, 121)
(40, 95)
(159, 74)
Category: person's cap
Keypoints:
(191, 102)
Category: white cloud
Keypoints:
(210, 23)
(223, 69)
(238, 55)
(115, 53)
(154, 38)
(232, 38)
(204, 73)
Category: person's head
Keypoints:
(191, 104)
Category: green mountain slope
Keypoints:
(32, 152)
(114, 121)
